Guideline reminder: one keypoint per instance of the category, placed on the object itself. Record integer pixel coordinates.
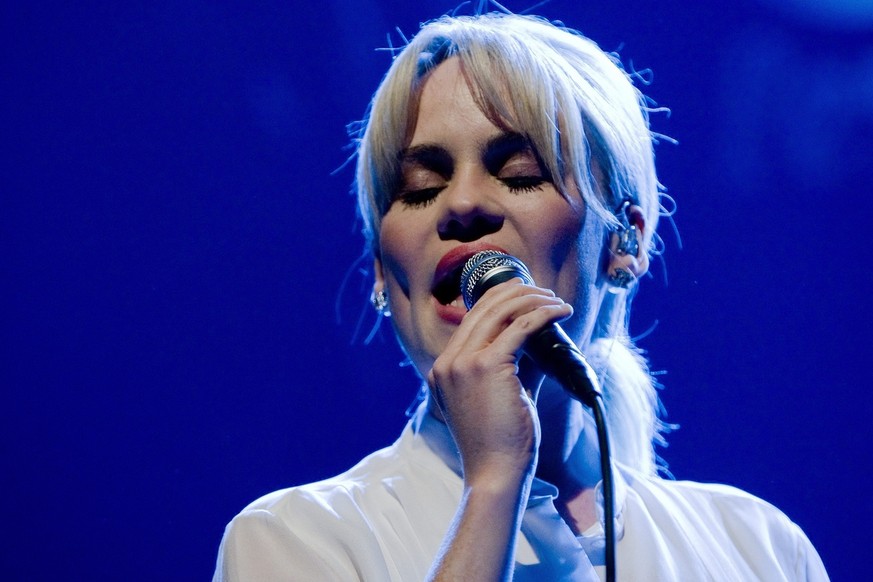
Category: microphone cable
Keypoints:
(558, 357)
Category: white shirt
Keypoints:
(385, 519)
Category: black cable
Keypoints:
(559, 357)
(608, 487)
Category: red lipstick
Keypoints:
(446, 280)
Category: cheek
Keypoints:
(571, 242)
(397, 251)
(406, 319)
(585, 279)
(574, 246)
(395, 270)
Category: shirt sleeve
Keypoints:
(809, 564)
(258, 546)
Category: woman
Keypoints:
(508, 133)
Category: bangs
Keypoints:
(574, 103)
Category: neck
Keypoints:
(569, 455)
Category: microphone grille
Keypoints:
(482, 265)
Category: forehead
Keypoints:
(447, 109)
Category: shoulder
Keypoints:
(712, 504)
(342, 498)
(378, 517)
(693, 490)
(739, 523)
(730, 506)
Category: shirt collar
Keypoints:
(439, 439)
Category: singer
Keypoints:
(509, 133)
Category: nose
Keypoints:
(469, 214)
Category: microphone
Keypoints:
(556, 355)
(550, 348)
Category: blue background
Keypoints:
(181, 287)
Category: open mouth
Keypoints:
(448, 290)
(447, 277)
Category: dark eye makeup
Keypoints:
(418, 198)
(509, 157)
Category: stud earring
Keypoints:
(379, 299)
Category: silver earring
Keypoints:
(622, 278)
(628, 244)
(379, 299)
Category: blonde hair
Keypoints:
(549, 83)
(576, 105)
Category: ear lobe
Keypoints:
(378, 276)
(379, 298)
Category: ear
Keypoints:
(635, 262)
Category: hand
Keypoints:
(487, 402)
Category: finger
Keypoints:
(493, 348)
(496, 316)
(513, 337)
(507, 285)
(488, 316)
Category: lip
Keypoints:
(446, 267)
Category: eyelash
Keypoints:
(426, 196)
(520, 184)
(419, 198)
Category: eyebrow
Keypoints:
(432, 157)
(501, 147)
(495, 151)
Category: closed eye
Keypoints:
(419, 198)
(512, 159)
(523, 183)
(424, 171)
